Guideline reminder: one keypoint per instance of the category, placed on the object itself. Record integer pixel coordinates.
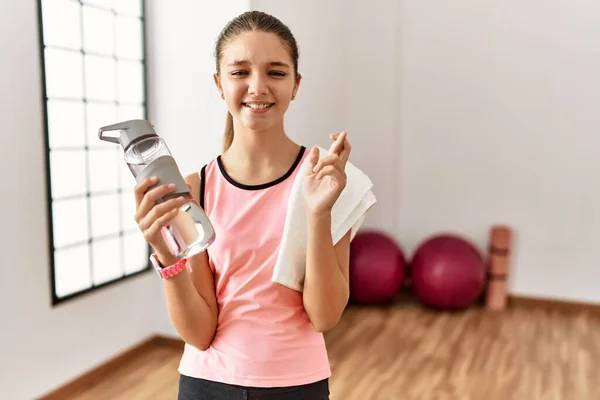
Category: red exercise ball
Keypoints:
(447, 272)
(376, 268)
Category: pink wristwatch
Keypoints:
(171, 270)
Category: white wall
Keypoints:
(499, 122)
(42, 347)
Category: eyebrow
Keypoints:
(237, 63)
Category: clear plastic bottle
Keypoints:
(147, 155)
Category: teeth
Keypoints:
(258, 106)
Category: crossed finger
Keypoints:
(338, 143)
(342, 146)
(330, 159)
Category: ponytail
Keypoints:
(228, 136)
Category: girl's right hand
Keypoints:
(152, 217)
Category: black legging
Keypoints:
(200, 389)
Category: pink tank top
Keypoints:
(264, 337)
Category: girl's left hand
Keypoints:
(326, 177)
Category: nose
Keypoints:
(258, 85)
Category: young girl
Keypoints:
(246, 336)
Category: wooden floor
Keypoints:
(149, 376)
(408, 352)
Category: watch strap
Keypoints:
(168, 271)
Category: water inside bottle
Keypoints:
(189, 232)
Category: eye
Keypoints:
(277, 73)
(238, 73)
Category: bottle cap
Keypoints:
(129, 131)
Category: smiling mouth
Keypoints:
(257, 106)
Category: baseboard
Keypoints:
(97, 374)
(169, 341)
(567, 306)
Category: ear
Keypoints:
(296, 86)
(217, 81)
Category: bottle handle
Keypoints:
(113, 127)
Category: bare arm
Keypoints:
(326, 285)
(190, 296)
(191, 302)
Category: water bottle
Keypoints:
(146, 154)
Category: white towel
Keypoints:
(348, 213)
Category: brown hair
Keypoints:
(248, 22)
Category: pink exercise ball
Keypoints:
(376, 268)
(447, 272)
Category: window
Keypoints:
(93, 69)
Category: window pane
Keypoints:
(99, 78)
(64, 76)
(131, 82)
(70, 220)
(136, 252)
(105, 4)
(99, 115)
(67, 172)
(128, 37)
(93, 76)
(128, 210)
(105, 211)
(104, 174)
(128, 7)
(98, 31)
(66, 123)
(128, 181)
(106, 260)
(61, 23)
(72, 270)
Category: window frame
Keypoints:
(50, 218)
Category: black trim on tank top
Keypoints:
(262, 185)
(202, 184)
